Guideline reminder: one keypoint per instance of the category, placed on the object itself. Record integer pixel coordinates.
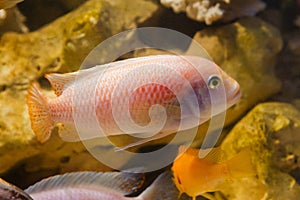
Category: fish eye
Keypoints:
(214, 82)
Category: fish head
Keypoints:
(185, 173)
(210, 92)
(179, 175)
(232, 89)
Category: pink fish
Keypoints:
(123, 96)
(104, 186)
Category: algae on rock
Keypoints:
(63, 44)
(272, 131)
(58, 47)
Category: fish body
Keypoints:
(104, 186)
(120, 95)
(196, 176)
(4, 4)
(9, 191)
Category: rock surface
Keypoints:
(47, 10)
(12, 20)
(297, 21)
(209, 11)
(288, 68)
(272, 131)
(58, 47)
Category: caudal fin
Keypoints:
(41, 122)
(241, 165)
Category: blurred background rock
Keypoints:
(256, 42)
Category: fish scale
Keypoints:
(103, 93)
(119, 96)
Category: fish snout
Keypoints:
(233, 93)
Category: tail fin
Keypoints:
(241, 165)
(162, 188)
(41, 122)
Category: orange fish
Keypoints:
(196, 176)
(121, 95)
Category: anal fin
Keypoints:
(68, 133)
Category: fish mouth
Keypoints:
(235, 94)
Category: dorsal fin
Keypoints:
(214, 155)
(182, 149)
(122, 182)
(60, 81)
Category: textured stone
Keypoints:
(288, 68)
(210, 11)
(12, 20)
(58, 47)
(272, 131)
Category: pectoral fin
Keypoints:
(143, 141)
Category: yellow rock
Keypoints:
(58, 47)
(272, 131)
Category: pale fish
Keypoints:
(9, 191)
(4, 4)
(196, 176)
(173, 82)
(104, 186)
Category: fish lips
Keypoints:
(234, 94)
